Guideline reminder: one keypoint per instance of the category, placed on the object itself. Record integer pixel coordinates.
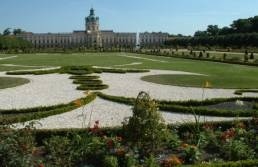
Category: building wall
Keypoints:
(93, 37)
(153, 39)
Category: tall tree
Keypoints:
(213, 30)
(242, 25)
(7, 32)
(17, 31)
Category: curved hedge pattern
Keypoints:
(23, 115)
(189, 107)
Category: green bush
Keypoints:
(146, 128)
(236, 150)
(16, 147)
(110, 161)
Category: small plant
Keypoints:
(236, 150)
(110, 161)
(150, 162)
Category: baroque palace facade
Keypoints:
(92, 36)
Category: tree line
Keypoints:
(9, 40)
(242, 32)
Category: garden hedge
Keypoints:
(189, 107)
(23, 115)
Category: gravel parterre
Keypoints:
(43, 90)
(109, 114)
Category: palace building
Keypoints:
(92, 36)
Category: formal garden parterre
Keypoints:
(121, 129)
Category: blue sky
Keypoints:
(173, 16)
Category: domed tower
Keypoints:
(92, 22)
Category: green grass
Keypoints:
(219, 74)
(8, 82)
(197, 81)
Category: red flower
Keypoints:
(229, 134)
(110, 143)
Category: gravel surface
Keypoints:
(130, 84)
(43, 90)
(109, 114)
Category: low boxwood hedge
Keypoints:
(87, 82)
(39, 112)
(188, 107)
(92, 87)
(241, 91)
(86, 77)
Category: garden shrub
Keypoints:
(16, 147)
(237, 150)
(150, 162)
(110, 161)
(146, 128)
(58, 151)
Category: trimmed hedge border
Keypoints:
(92, 87)
(77, 70)
(37, 113)
(241, 91)
(198, 59)
(86, 77)
(189, 107)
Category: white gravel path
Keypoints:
(130, 64)
(10, 57)
(143, 58)
(130, 84)
(109, 114)
(43, 90)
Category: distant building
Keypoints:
(154, 39)
(92, 36)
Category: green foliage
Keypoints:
(146, 127)
(110, 161)
(58, 150)
(237, 150)
(191, 154)
(150, 162)
(8, 42)
(16, 147)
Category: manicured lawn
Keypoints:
(198, 81)
(8, 82)
(219, 74)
